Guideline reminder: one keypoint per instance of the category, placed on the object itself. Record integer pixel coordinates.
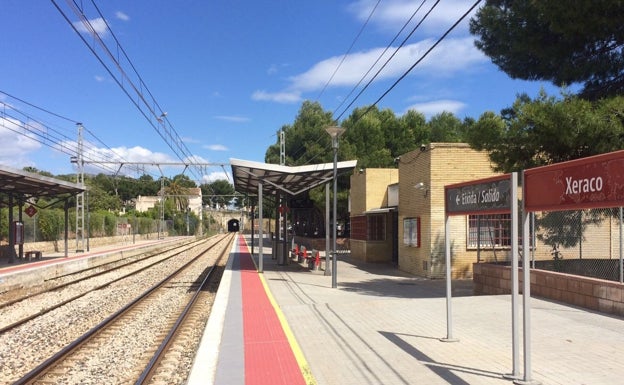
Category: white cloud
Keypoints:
(448, 58)
(434, 107)
(272, 69)
(456, 54)
(99, 78)
(280, 97)
(97, 25)
(217, 175)
(16, 143)
(122, 16)
(392, 13)
(188, 139)
(233, 119)
(15, 140)
(216, 147)
(275, 68)
(107, 160)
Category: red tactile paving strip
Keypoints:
(269, 358)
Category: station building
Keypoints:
(398, 215)
(194, 197)
(374, 200)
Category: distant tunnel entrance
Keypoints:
(233, 225)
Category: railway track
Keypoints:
(151, 339)
(61, 281)
(48, 297)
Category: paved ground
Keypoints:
(380, 326)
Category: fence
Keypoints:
(48, 225)
(580, 242)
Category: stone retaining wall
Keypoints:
(589, 293)
(59, 246)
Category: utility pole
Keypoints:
(161, 216)
(80, 198)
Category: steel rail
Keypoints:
(34, 374)
(148, 254)
(148, 372)
(77, 296)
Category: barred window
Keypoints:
(358, 227)
(488, 231)
(376, 227)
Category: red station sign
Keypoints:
(596, 181)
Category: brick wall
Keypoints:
(369, 189)
(589, 293)
(438, 165)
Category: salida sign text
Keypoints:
(491, 196)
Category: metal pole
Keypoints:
(66, 208)
(335, 133)
(526, 299)
(260, 243)
(621, 249)
(515, 333)
(11, 231)
(253, 222)
(478, 238)
(534, 238)
(334, 263)
(447, 253)
(88, 219)
(328, 270)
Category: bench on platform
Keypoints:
(28, 255)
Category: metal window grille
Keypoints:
(376, 227)
(489, 231)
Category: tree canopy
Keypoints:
(545, 130)
(557, 41)
(217, 194)
(374, 137)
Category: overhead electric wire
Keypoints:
(37, 107)
(51, 136)
(411, 67)
(37, 135)
(424, 55)
(56, 115)
(370, 81)
(380, 56)
(170, 135)
(355, 39)
(370, 15)
(98, 38)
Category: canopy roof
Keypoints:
(292, 180)
(24, 185)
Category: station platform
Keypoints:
(22, 271)
(287, 325)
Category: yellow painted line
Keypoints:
(294, 345)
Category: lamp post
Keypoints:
(334, 132)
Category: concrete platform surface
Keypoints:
(382, 326)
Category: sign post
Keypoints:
(496, 195)
(592, 182)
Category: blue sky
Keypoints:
(229, 74)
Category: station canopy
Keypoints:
(292, 180)
(24, 185)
